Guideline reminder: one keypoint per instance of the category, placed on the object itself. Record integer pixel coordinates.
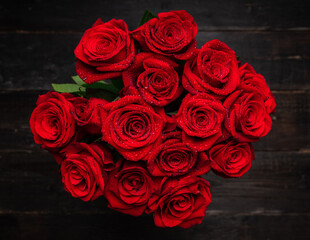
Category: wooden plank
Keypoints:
(276, 185)
(120, 226)
(78, 15)
(290, 129)
(34, 61)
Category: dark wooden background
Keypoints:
(271, 201)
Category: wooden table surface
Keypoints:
(271, 201)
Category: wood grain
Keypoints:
(34, 61)
(71, 15)
(120, 226)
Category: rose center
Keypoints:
(133, 182)
(135, 127)
(201, 119)
(82, 112)
(50, 126)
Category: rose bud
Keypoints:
(200, 117)
(253, 81)
(180, 202)
(131, 126)
(104, 51)
(129, 187)
(52, 122)
(84, 169)
(155, 77)
(212, 69)
(171, 34)
(174, 158)
(231, 158)
(87, 114)
(247, 119)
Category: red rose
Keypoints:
(171, 34)
(256, 82)
(52, 122)
(180, 202)
(270, 103)
(174, 158)
(200, 116)
(212, 69)
(129, 187)
(155, 77)
(231, 158)
(131, 126)
(104, 51)
(247, 119)
(87, 113)
(84, 169)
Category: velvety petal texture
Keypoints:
(131, 126)
(231, 158)
(129, 188)
(180, 202)
(87, 113)
(256, 82)
(247, 118)
(174, 158)
(155, 77)
(212, 69)
(51, 122)
(172, 34)
(200, 117)
(104, 51)
(84, 169)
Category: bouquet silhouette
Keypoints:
(149, 114)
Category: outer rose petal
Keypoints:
(171, 157)
(99, 61)
(165, 201)
(144, 71)
(237, 121)
(87, 114)
(51, 122)
(151, 35)
(200, 76)
(252, 81)
(231, 158)
(84, 169)
(200, 117)
(129, 199)
(91, 75)
(127, 112)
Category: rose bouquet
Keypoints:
(149, 114)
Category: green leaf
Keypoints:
(172, 113)
(146, 17)
(98, 140)
(118, 83)
(116, 99)
(238, 58)
(78, 80)
(102, 85)
(68, 88)
(100, 93)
